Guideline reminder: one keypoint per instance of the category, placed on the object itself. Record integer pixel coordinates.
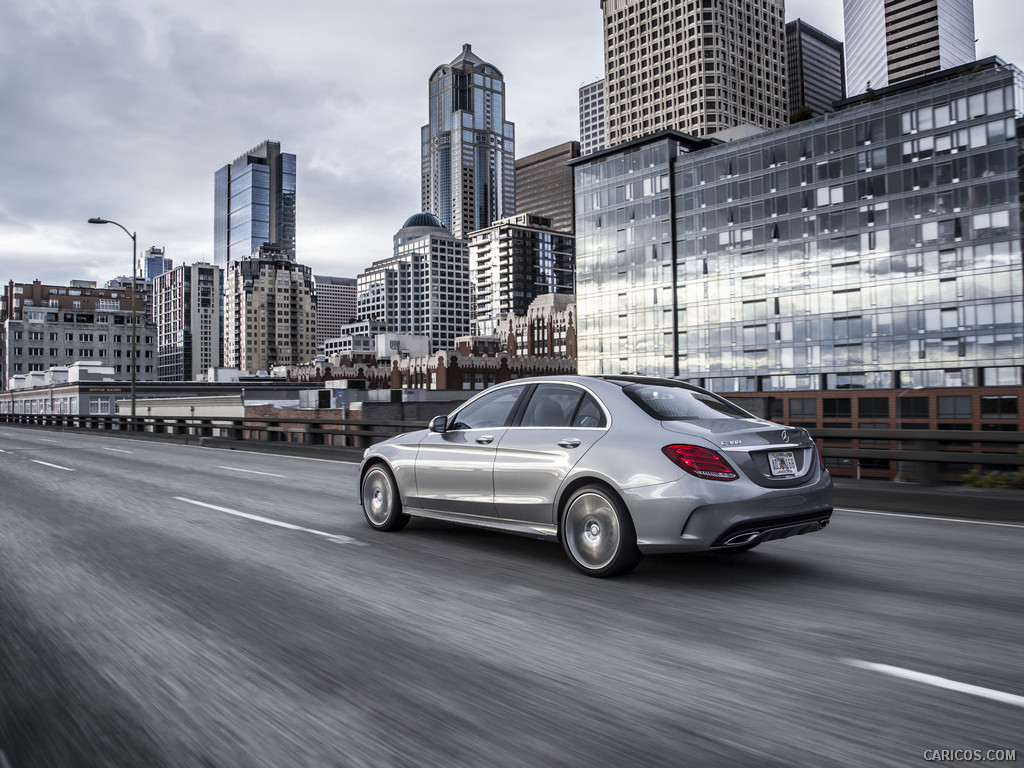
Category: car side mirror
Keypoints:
(439, 423)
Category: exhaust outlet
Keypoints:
(824, 524)
(742, 538)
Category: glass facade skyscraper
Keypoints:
(468, 148)
(254, 204)
(875, 246)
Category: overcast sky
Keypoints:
(125, 110)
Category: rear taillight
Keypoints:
(700, 462)
(821, 459)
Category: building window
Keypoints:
(873, 407)
(954, 407)
(803, 408)
(999, 407)
(836, 407)
(912, 407)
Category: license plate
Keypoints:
(782, 463)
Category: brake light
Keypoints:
(821, 459)
(700, 462)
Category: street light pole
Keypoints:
(135, 252)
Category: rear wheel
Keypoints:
(598, 534)
(381, 502)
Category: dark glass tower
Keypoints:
(468, 149)
(254, 204)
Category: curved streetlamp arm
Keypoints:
(98, 220)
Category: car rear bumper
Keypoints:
(667, 519)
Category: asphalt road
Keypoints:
(154, 612)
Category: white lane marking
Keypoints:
(926, 517)
(2, 450)
(48, 440)
(119, 450)
(48, 464)
(941, 682)
(279, 523)
(251, 471)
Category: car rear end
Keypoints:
(738, 480)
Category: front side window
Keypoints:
(488, 411)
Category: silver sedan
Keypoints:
(611, 466)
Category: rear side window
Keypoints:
(668, 403)
(559, 405)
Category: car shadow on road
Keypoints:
(714, 570)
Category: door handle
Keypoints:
(485, 439)
(569, 442)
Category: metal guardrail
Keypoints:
(1001, 449)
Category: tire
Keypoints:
(598, 534)
(382, 504)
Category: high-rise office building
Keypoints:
(592, 117)
(254, 204)
(874, 247)
(187, 311)
(155, 263)
(695, 67)
(423, 288)
(815, 69)
(888, 41)
(514, 261)
(544, 184)
(335, 305)
(468, 148)
(269, 312)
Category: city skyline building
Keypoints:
(155, 263)
(54, 326)
(254, 204)
(890, 41)
(544, 185)
(187, 303)
(514, 261)
(593, 117)
(875, 247)
(815, 69)
(423, 287)
(467, 147)
(698, 68)
(335, 306)
(269, 312)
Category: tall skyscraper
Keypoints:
(815, 67)
(696, 67)
(155, 263)
(254, 204)
(593, 117)
(888, 41)
(187, 312)
(544, 184)
(468, 148)
(335, 305)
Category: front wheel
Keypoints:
(381, 502)
(598, 534)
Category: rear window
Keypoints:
(670, 403)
